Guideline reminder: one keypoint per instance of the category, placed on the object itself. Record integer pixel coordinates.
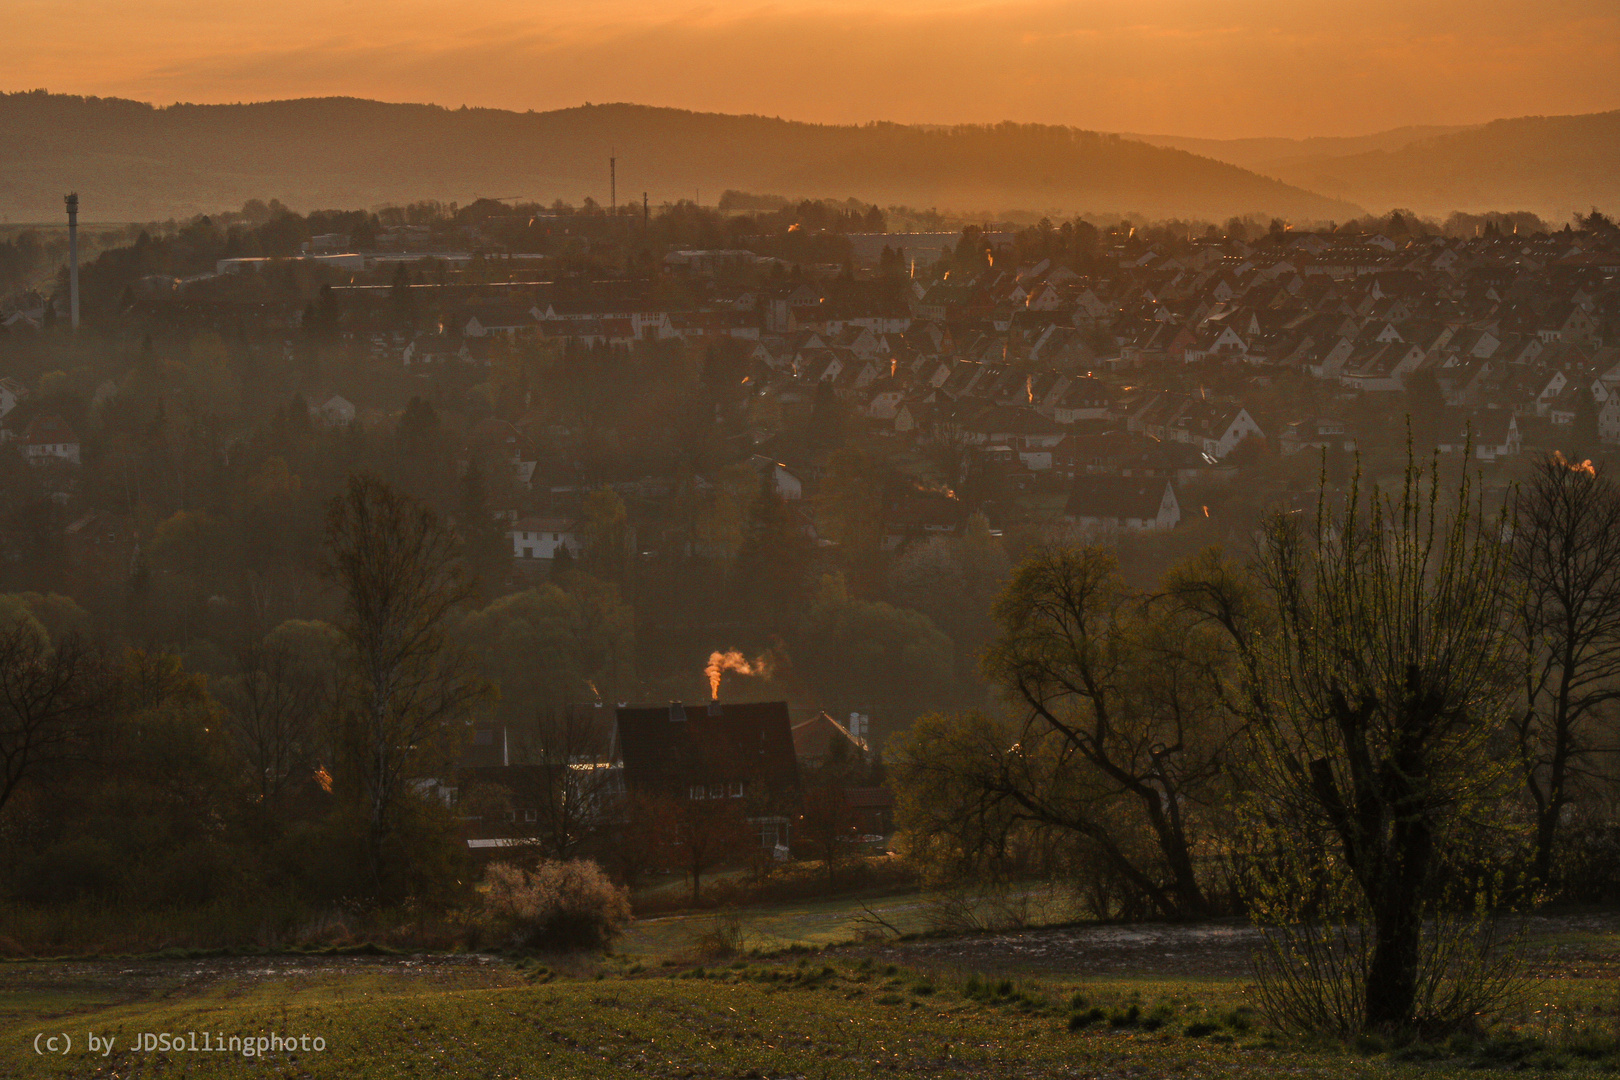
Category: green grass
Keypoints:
(824, 1014)
(832, 921)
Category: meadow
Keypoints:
(684, 997)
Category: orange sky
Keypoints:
(1220, 68)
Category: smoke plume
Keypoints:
(732, 660)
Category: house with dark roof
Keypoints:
(1122, 503)
(739, 751)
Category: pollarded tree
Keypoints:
(1381, 675)
(407, 689)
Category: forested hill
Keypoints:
(1553, 165)
(132, 161)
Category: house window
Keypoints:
(736, 788)
(530, 815)
(511, 815)
(717, 791)
(698, 791)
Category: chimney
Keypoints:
(715, 708)
(677, 711)
(72, 201)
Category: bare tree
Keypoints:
(707, 833)
(829, 825)
(407, 691)
(568, 778)
(49, 697)
(275, 707)
(1566, 617)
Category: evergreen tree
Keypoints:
(773, 564)
(484, 542)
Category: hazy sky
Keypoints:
(1219, 68)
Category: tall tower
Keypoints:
(73, 257)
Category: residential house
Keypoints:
(1122, 504)
(335, 411)
(822, 739)
(1217, 428)
(735, 752)
(1322, 433)
(49, 440)
(543, 537)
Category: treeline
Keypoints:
(131, 780)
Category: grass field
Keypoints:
(657, 1009)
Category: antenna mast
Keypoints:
(72, 201)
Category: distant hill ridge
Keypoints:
(134, 161)
(1554, 165)
(1267, 155)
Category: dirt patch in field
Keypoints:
(1559, 946)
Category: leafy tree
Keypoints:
(545, 646)
(955, 581)
(872, 657)
(1120, 729)
(50, 697)
(829, 420)
(605, 527)
(1428, 407)
(1584, 440)
(849, 506)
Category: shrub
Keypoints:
(557, 905)
(1079, 1021)
(724, 938)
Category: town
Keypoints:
(524, 579)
